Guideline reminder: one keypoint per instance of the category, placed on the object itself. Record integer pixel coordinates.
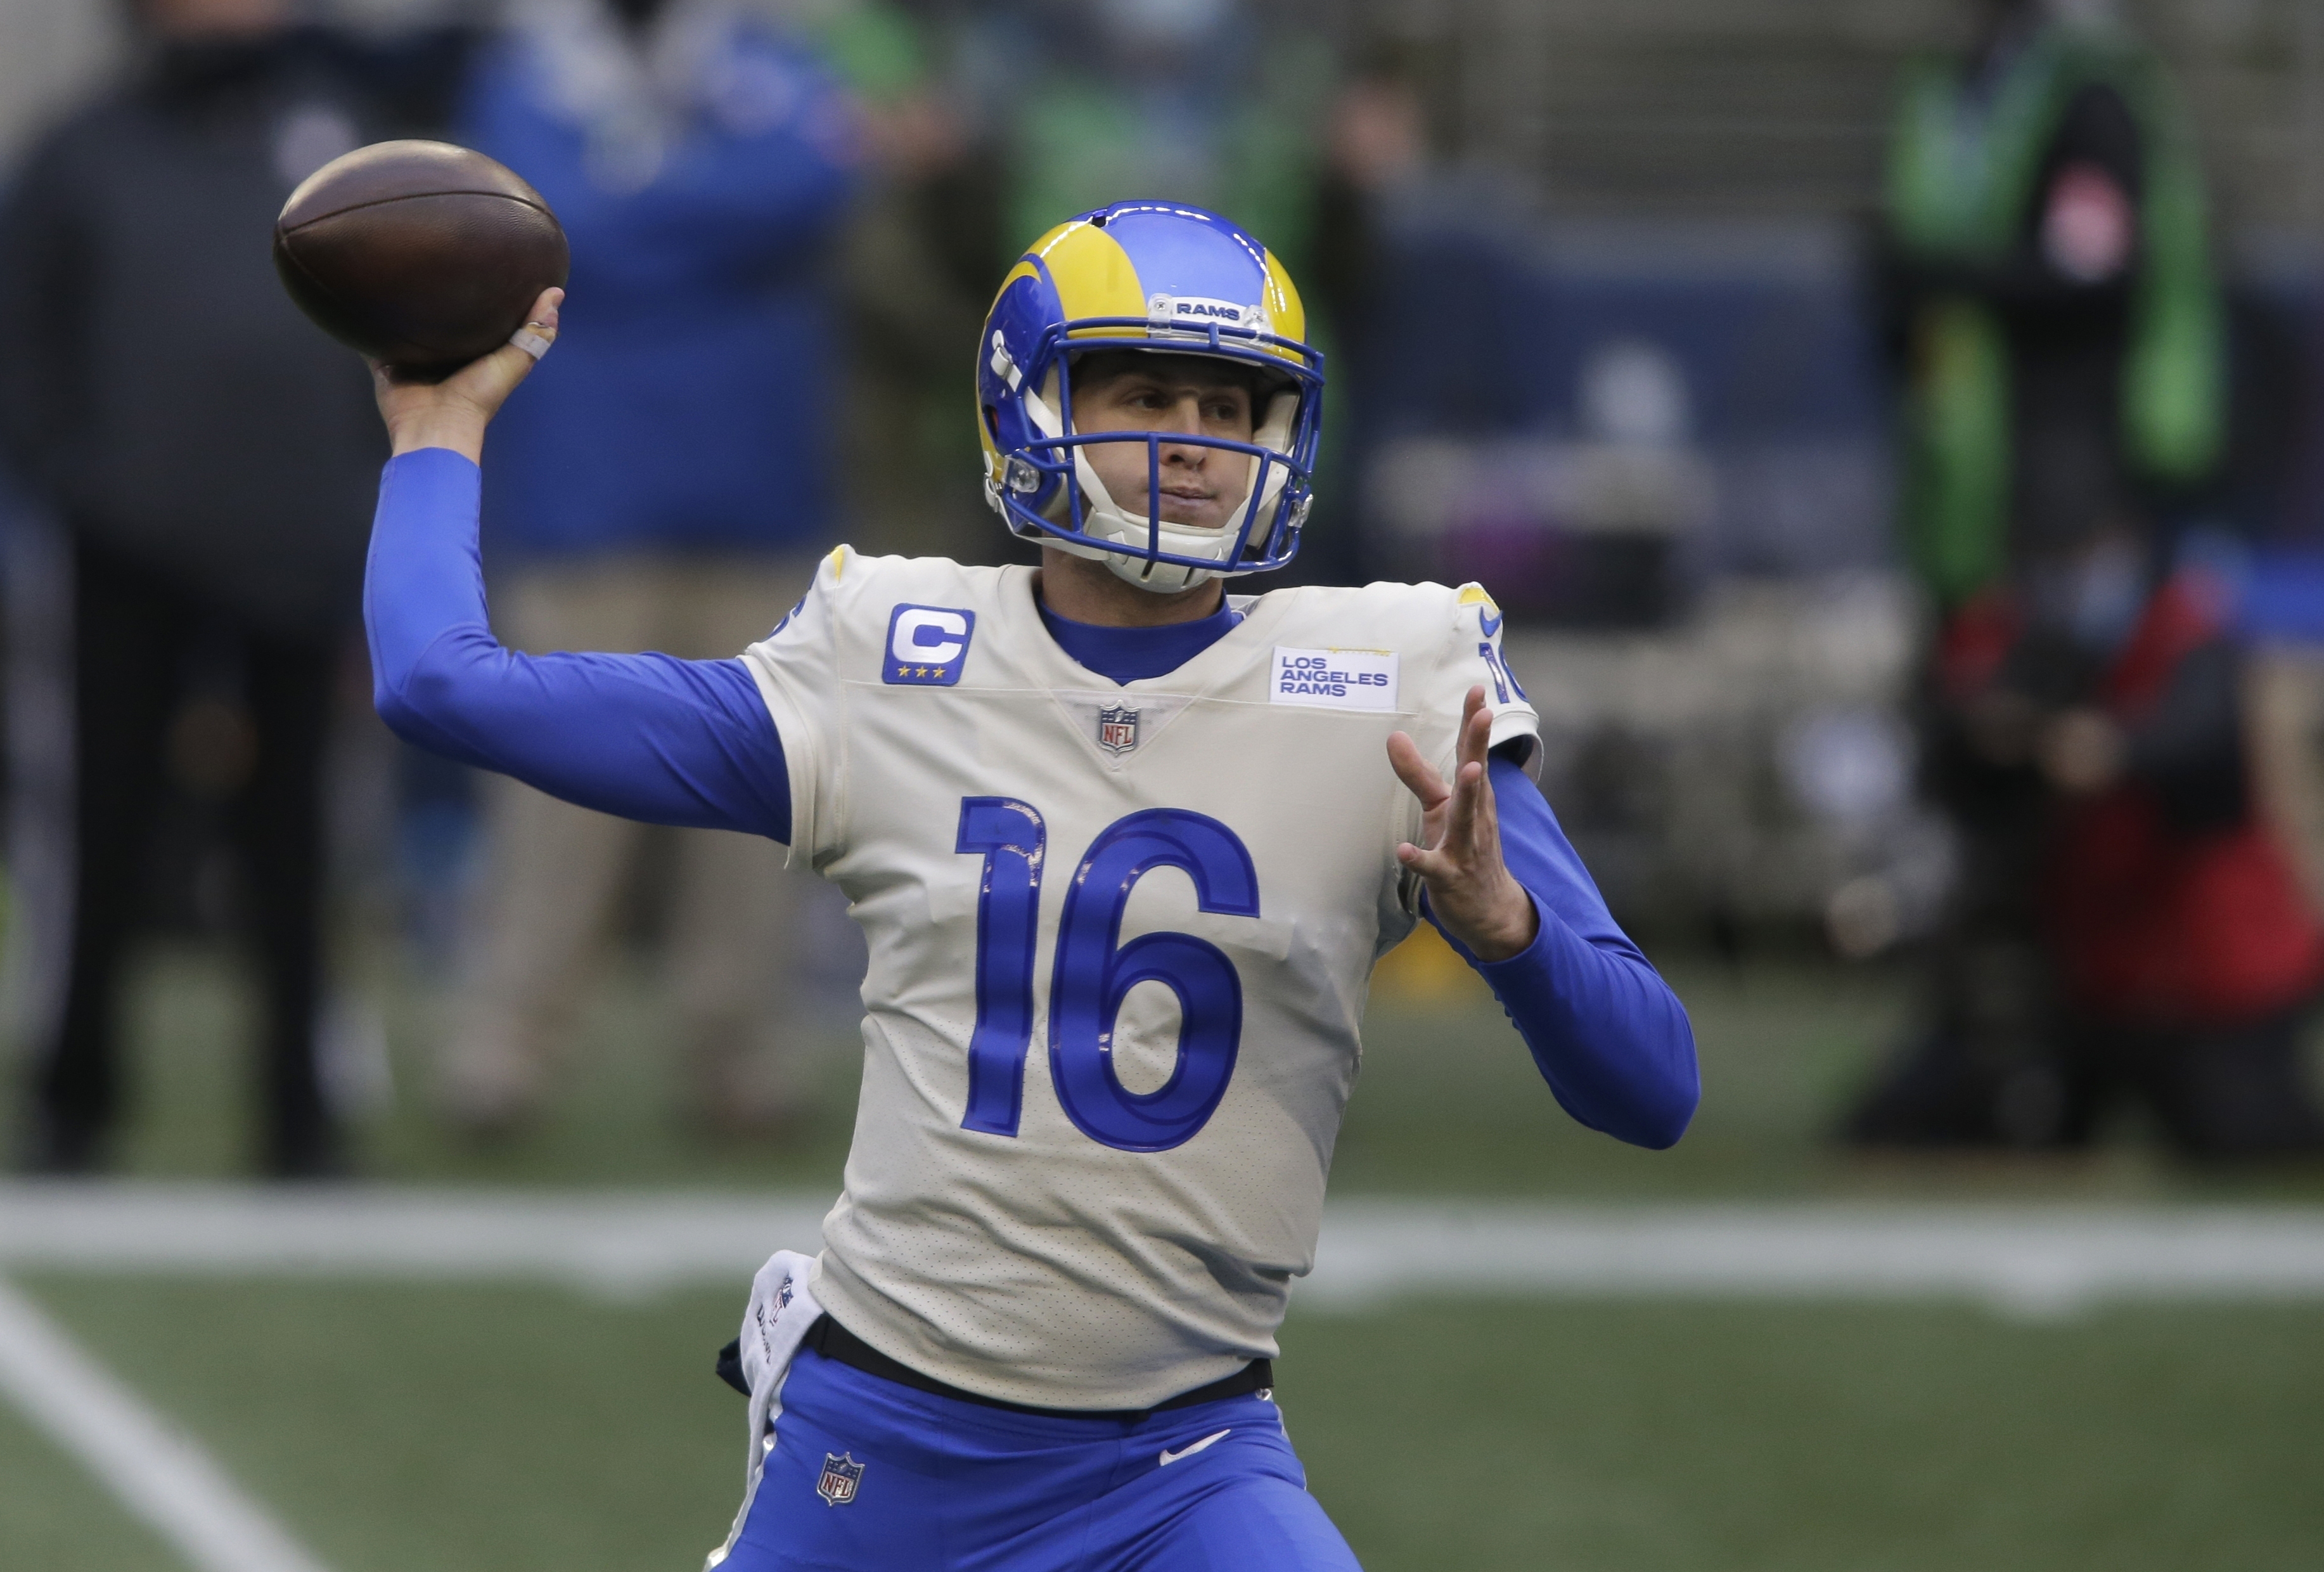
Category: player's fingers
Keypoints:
(486, 383)
(1485, 823)
(1476, 726)
(496, 374)
(1481, 822)
(540, 329)
(1418, 775)
(1433, 867)
(1485, 829)
(1489, 808)
(1461, 823)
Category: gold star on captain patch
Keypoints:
(903, 670)
(939, 671)
(919, 671)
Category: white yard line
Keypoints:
(609, 1241)
(2023, 1258)
(155, 1470)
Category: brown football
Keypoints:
(418, 254)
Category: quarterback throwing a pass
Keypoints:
(1125, 848)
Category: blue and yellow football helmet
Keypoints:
(1158, 277)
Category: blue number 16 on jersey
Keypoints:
(1095, 972)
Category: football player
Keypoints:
(1125, 848)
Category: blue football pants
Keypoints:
(953, 1486)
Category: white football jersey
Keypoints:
(1121, 938)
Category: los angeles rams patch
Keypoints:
(1333, 678)
(927, 645)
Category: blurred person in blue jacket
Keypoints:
(666, 482)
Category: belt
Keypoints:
(833, 1341)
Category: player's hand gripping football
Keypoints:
(454, 412)
(1469, 887)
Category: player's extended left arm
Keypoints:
(1606, 1032)
(1608, 1035)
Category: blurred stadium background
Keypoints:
(1656, 360)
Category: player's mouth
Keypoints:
(1183, 504)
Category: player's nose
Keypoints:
(1185, 415)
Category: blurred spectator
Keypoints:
(1377, 149)
(2052, 280)
(2124, 925)
(917, 270)
(212, 458)
(665, 483)
(1377, 161)
(1199, 101)
(2302, 520)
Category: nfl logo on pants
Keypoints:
(841, 1475)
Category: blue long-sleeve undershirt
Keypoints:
(691, 743)
(1605, 1031)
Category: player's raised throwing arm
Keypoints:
(646, 736)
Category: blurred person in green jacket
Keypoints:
(914, 278)
(2124, 924)
(1200, 101)
(2050, 270)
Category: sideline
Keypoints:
(2038, 1261)
(155, 1470)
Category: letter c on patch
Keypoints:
(905, 643)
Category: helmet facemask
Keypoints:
(1086, 519)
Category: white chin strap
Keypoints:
(1105, 520)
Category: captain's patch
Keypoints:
(927, 645)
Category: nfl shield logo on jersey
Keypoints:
(841, 1473)
(1117, 729)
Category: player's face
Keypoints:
(1201, 486)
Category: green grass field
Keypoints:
(442, 1428)
(515, 1428)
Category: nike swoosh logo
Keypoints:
(1169, 1458)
